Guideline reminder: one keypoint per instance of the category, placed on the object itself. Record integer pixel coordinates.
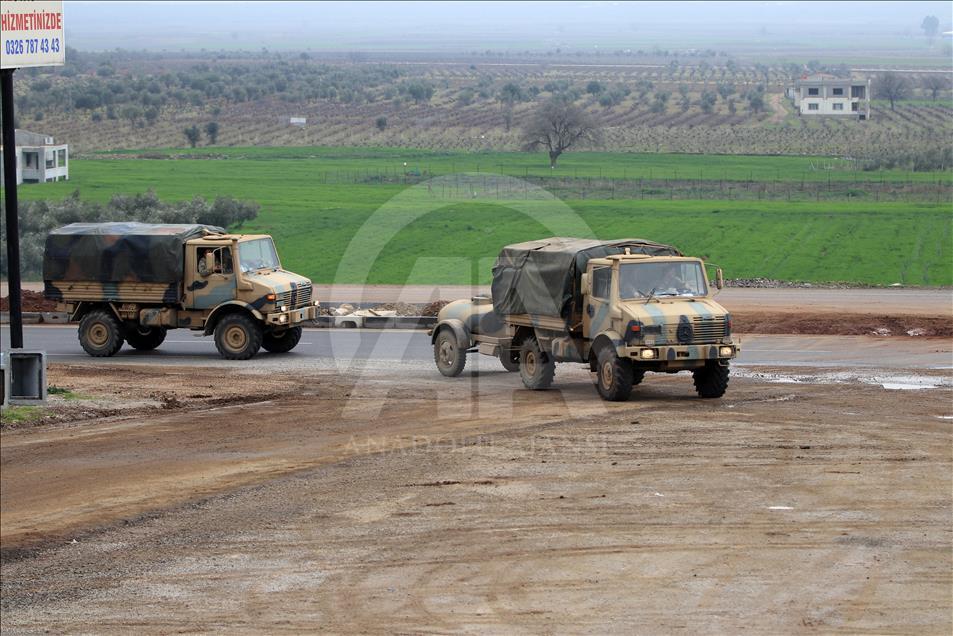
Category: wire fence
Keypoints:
(470, 185)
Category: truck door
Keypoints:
(213, 277)
(595, 317)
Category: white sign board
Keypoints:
(32, 33)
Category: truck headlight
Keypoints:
(725, 352)
(282, 319)
(647, 354)
(281, 308)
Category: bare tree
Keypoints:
(930, 26)
(934, 82)
(892, 87)
(557, 126)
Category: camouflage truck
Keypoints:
(622, 308)
(132, 282)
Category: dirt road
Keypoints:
(380, 502)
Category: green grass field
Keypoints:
(349, 163)
(314, 223)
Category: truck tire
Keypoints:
(282, 342)
(614, 376)
(237, 336)
(100, 333)
(711, 381)
(145, 340)
(510, 358)
(448, 355)
(536, 366)
(637, 376)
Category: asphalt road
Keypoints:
(348, 346)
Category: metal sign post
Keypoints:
(12, 218)
(32, 34)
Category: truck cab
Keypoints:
(654, 313)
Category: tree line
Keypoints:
(37, 218)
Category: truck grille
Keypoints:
(297, 298)
(696, 330)
(709, 329)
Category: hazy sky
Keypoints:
(357, 25)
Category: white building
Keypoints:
(824, 94)
(39, 159)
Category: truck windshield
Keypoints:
(257, 254)
(652, 280)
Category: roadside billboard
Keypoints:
(32, 33)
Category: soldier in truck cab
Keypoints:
(221, 260)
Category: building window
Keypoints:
(858, 92)
(813, 107)
(838, 92)
(813, 92)
(837, 106)
(61, 158)
(50, 162)
(855, 106)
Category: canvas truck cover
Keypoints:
(119, 252)
(543, 277)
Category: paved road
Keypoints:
(893, 301)
(337, 345)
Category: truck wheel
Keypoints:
(145, 339)
(100, 333)
(282, 342)
(237, 337)
(448, 355)
(711, 381)
(536, 366)
(614, 376)
(637, 376)
(510, 359)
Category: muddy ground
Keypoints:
(382, 501)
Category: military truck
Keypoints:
(132, 282)
(623, 308)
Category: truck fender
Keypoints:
(610, 339)
(458, 328)
(229, 307)
(84, 307)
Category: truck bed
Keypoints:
(120, 292)
(554, 323)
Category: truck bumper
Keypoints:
(680, 353)
(291, 317)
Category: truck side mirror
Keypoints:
(719, 279)
(209, 258)
(584, 285)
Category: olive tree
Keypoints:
(557, 126)
(892, 87)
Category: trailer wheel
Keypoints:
(711, 381)
(536, 366)
(614, 376)
(281, 342)
(237, 336)
(448, 355)
(145, 339)
(100, 333)
(510, 358)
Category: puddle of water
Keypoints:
(894, 382)
(903, 386)
(944, 417)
